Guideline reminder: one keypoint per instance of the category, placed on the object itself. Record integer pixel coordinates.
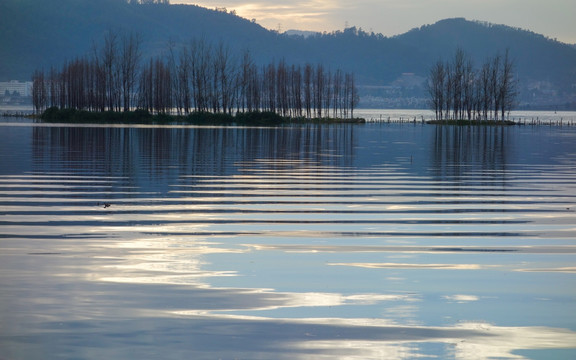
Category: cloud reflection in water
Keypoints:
(286, 243)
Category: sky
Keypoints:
(552, 18)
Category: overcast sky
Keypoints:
(552, 18)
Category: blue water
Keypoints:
(374, 241)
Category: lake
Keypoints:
(346, 241)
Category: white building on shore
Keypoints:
(15, 87)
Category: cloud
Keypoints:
(558, 269)
(461, 298)
(413, 266)
(307, 15)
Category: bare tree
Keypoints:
(352, 92)
(337, 93)
(308, 72)
(494, 86)
(456, 90)
(39, 91)
(223, 75)
(318, 87)
(485, 99)
(456, 77)
(162, 87)
(244, 80)
(198, 76)
(183, 81)
(468, 82)
(129, 62)
(282, 88)
(296, 91)
(145, 92)
(269, 87)
(109, 61)
(201, 74)
(436, 86)
(508, 87)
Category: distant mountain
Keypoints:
(43, 33)
(537, 57)
(39, 34)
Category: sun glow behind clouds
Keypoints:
(315, 15)
(551, 18)
(311, 15)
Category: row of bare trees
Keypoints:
(457, 90)
(200, 77)
(104, 80)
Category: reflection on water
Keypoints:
(349, 241)
(458, 147)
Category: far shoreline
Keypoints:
(138, 116)
(193, 118)
(362, 115)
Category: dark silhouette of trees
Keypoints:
(295, 96)
(468, 88)
(155, 92)
(351, 97)
(105, 80)
(107, 59)
(197, 77)
(458, 91)
(224, 73)
(507, 90)
(436, 88)
(39, 91)
(483, 93)
(129, 61)
(308, 90)
(182, 80)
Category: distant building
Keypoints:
(16, 88)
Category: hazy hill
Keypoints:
(537, 57)
(42, 33)
(37, 34)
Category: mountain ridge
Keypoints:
(40, 35)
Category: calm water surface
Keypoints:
(372, 241)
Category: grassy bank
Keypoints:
(196, 118)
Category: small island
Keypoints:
(54, 114)
(204, 83)
(461, 94)
(200, 82)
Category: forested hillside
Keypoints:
(40, 34)
(536, 57)
(44, 33)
